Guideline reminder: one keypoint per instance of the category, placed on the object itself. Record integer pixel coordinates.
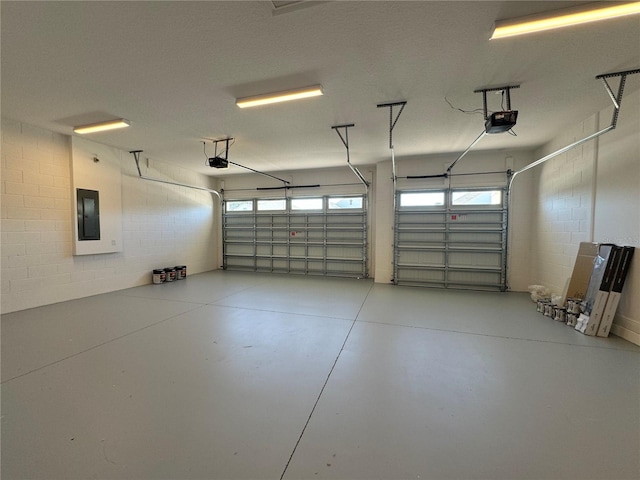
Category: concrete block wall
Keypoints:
(163, 225)
(562, 210)
(591, 193)
(617, 201)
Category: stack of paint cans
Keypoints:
(545, 307)
(169, 274)
(568, 315)
(573, 310)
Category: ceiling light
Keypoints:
(285, 96)
(562, 18)
(102, 126)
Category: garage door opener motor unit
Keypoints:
(502, 121)
(218, 161)
(499, 122)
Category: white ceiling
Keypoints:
(174, 70)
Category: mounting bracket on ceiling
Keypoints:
(392, 122)
(616, 99)
(223, 162)
(507, 96)
(136, 157)
(218, 161)
(345, 141)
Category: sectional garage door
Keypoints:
(451, 238)
(324, 235)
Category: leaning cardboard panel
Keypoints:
(595, 279)
(616, 291)
(595, 301)
(581, 271)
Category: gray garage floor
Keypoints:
(232, 375)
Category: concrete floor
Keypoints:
(242, 376)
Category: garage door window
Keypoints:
(278, 204)
(306, 203)
(421, 199)
(345, 203)
(481, 197)
(240, 206)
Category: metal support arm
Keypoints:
(345, 141)
(136, 157)
(617, 103)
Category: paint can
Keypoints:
(575, 305)
(171, 274)
(569, 305)
(159, 276)
(560, 314)
(181, 272)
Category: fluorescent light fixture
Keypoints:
(563, 18)
(285, 96)
(102, 126)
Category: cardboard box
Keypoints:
(616, 290)
(604, 271)
(581, 271)
(609, 313)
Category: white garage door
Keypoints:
(451, 238)
(323, 235)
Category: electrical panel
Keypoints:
(88, 214)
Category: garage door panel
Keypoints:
(422, 217)
(242, 262)
(417, 276)
(263, 264)
(476, 259)
(315, 251)
(417, 257)
(280, 264)
(240, 220)
(350, 269)
(279, 250)
(441, 244)
(478, 279)
(328, 241)
(424, 237)
(471, 217)
(240, 235)
(296, 251)
(476, 237)
(352, 253)
(241, 249)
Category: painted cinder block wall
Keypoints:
(590, 193)
(163, 225)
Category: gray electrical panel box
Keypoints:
(88, 214)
